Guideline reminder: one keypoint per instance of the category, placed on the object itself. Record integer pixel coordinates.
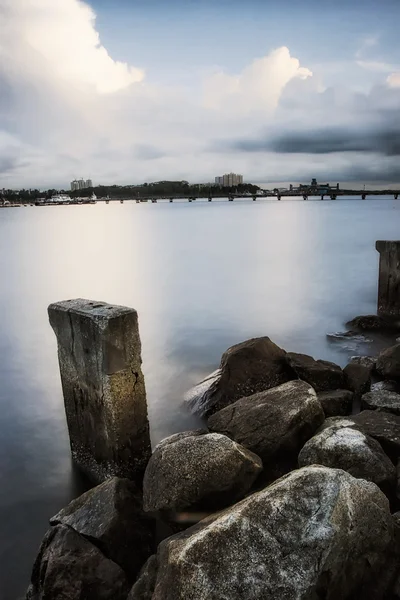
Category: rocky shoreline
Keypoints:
(294, 482)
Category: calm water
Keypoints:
(202, 277)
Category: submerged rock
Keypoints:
(381, 401)
(193, 469)
(336, 402)
(355, 452)
(274, 424)
(69, 567)
(321, 374)
(388, 363)
(252, 366)
(111, 517)
(316, 533)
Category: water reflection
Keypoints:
(203, 276)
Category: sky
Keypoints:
(129, 91)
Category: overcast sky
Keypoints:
(127, 91)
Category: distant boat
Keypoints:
(93, 198)
(60, 199)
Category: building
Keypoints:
(229, 180)
(81, 184)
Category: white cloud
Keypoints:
(259, 86)
(58, 39)
(376, 66)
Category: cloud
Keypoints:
(57, 39)
(376, 66)
(258, 87)
(367, 43)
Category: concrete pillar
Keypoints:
(389, 278)
(99, 353)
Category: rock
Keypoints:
(358, 379)
(208, 470)
(69, 567)
(383, 427)
(144, 587)
(388, 363)
(321, 374)
(316, 533)
(387, 385)
(348, 449)
(274, 424)
(372, 323)
(111, 517)
(381, 401)
(365, 361)
(336, 402)
(252, 366)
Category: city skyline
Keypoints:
(278, 91)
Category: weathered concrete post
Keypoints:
(389, 278)
(99, 353)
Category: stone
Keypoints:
(69, 567)
(336, 402)
(365, 361)
(386, 385)
(381, 401)
(111, 517)
(388, 363)
(252, 366)
(371, 323)
(389, 277)
(353, 451)
(383, 427)
(358, 379)
(144, 587)
(316, 533)
(321, 374)
(99, 353)
(208, 470)
(274, 424)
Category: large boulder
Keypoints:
(387, 385)
(358, 379)
(372, 323)
(348, 449)
(316, 533)
(69, 567)
(144, 587)
(321, 374)
(111, 517)
(336, 402)
(365, 361)
(388, 363)
(252, 366)
(274, 424)
(381, 401)
(194, 469)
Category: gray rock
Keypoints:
(321, 374)
(337, 421)
(381, 401)
(207, 470)
(372, 323)
(111, 517)
(365, 361)
(69, 567)
(358, 379)
(336, 402)
(348, 449)
(252, 366)
(388, 363)
(316, 533)
(274, 424)
(144, 587)
(387, 385)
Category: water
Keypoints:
(202, 276)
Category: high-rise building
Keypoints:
(81, 184)
(89, 183)
(229, 180)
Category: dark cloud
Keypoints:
(8, 164)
